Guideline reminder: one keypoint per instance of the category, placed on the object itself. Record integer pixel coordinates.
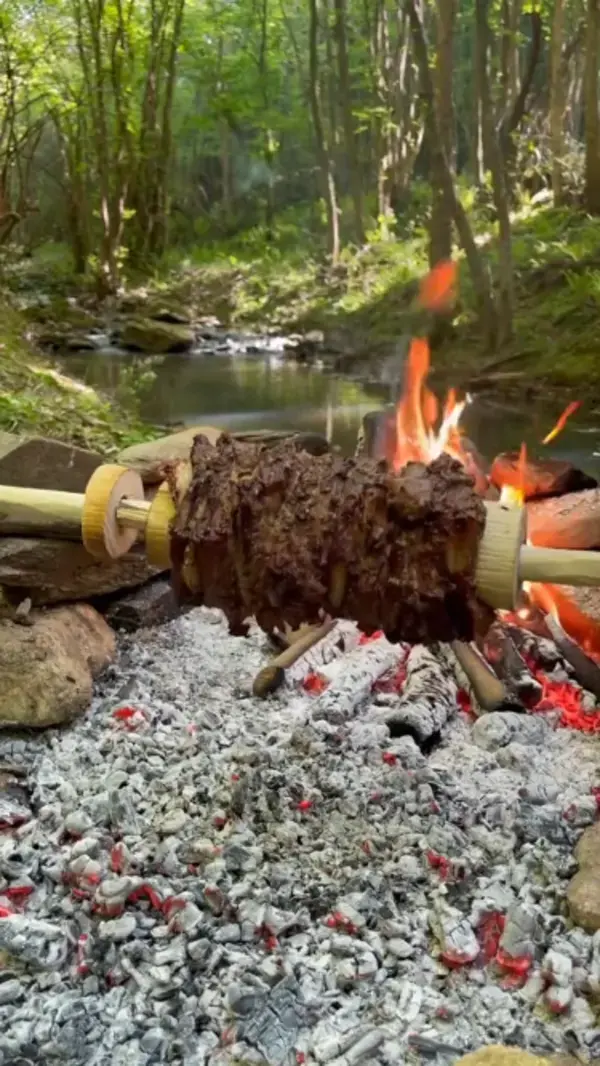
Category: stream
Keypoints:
(266, 389)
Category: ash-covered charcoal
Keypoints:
(428, 699)
(361, 669)
(33, 942)
(283, 536)
(343, 638)
(510, 666)
(220, 880)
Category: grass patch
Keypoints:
(37, 399)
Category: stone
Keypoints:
(151, 605)
(587, 851)
(583, 892)
(583, 897)
(41, 463)
(539, 477)
(149, 458)
(155, 337)
(47, 669)
(54, 571)
(498, 1055)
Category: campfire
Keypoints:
(543, 658)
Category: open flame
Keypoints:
(422, 433)
(417, 415)
(424, 430)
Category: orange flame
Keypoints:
(514, 495)
(437, 291)
(562, 421)
(579, 626)
(417, 439)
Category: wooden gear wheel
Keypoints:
(102, 534)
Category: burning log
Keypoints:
(362, 668)
(571, 521)
(428, 699)
(272, 676)
(510, 666)
(586, 670)
(538, 477)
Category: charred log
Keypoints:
(510, 666)
(538, 477)
(571, 521)
(587, 672)
(428, 700)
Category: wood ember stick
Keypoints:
(489, 692)
(586, 670)
(362, 668)
(429, 697)
(509, 665)
(330, 651)
(272, 676)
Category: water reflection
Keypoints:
(268, 390)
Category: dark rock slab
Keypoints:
(151, 605)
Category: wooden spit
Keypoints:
(112, 514)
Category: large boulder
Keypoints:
(155, 337)
(55, 571)
(148, 458)
(41, 463)
(47, 668)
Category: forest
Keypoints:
(310, 157)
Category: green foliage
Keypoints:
(36, 398)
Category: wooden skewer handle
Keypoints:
(487, 688)
(271, 677)
(559, 566)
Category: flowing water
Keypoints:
(268, 390)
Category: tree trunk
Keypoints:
(557, 100)
(347, 118)
(499, 184)
(477, 268)
(323, 153)
(440, 232)
(592, 125)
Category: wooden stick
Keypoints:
(561, 566)
(271, 677)
(489, 691)
(40, 513)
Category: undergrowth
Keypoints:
(365, 304)
(37, 399)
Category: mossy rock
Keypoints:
(155, 338)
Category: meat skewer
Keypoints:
(284, 536)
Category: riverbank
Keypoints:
(37, 399)
(365, 305)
